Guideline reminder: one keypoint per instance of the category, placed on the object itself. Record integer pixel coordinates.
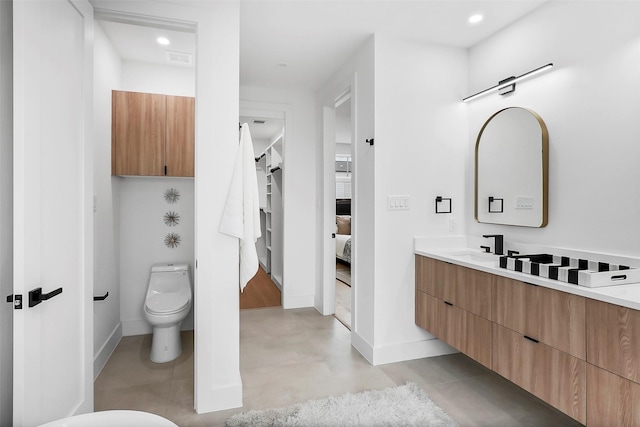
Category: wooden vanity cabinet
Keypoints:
(552, 317)
(613, 336)
(546, 372)
(611, 399)
(531, 335)
(613, 369)
(152, 134)
(447, 300)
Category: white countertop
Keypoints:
(464, 251)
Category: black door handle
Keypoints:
(333, 235)
(36, 296)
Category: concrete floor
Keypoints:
(290, 356)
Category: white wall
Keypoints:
(299, 175)
(156, 78)
(142, 233)
(142, 206)
(106, 315)
(589, 102)
(6, 211)
(420, 144)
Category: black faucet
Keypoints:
(498, 247)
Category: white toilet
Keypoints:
(167, 304)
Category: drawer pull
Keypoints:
(619, 277)
(448, 303)
(532, 339)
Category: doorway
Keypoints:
(138, 220)
(267, 135)
(343, 195)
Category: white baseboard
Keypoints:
(100, 359)
(363, 347)
(219, 398)
(136, 327)
(301, 301)
(400, 352)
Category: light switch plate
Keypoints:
(398, 202)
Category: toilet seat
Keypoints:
(167, 303)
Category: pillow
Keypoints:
(344, 224)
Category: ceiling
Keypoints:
(298, 44)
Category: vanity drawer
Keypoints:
(613, 338)
(548, 373)
(463, 287)
(537, 312)
(611, 399)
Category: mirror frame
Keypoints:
(545, 168)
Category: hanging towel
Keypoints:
(241, 216)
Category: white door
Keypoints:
(53, 340)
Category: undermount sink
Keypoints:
(475, 256)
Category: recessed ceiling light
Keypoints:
(283, 64)
(163, 41)
(474, 19)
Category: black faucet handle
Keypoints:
(512, 253)
(498, 242)
(487, 249)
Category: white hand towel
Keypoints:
(241, 216)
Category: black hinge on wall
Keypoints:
(16, 300)
(165, 170)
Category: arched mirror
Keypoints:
(511, 169)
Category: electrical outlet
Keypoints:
(524, 202)
(398, 202)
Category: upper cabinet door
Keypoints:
(180, 137)
(138, 133)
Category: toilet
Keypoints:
(167, 304)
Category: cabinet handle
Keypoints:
(532, 339)
(530, 284)
(448, 303)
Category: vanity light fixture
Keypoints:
(508, 85)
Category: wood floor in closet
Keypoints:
(260, 292)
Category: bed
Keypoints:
(343, 230)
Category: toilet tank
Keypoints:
(173, 277)
(175, 266)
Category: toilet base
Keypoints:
(166, 344)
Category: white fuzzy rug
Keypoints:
(405, 405)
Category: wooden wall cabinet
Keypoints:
(152, 134)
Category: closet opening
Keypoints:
(267, 135)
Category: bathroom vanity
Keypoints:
(575, 347)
